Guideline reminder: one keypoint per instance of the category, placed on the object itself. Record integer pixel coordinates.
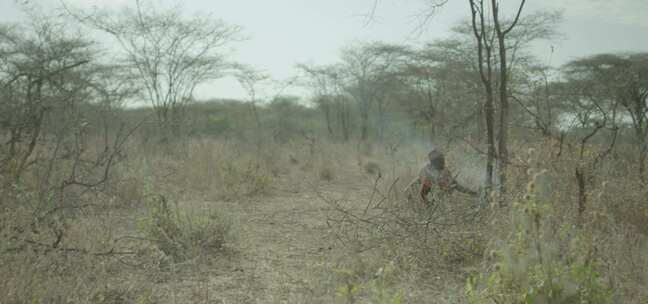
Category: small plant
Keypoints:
(358, 285)
(245, 178)
(326, 173)
(372, 168)
(181, 235)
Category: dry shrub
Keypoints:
(83, 265)
(593, 257)
(618, 219)
(67, 277)
(626, 202)
(623, 250)
(326, 173)
(366, 279)
(182, 234)
(325, 167)
(539, 258)
(81, 249)
(441, 236)
(351, 275)
(127, 192)
(600, 262)
(319, 164)
(229, 170)
(372, 168)
(394, 247)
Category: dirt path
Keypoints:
(282, 244)
(284, 252)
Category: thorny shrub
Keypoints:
(439, 236)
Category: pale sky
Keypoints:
(285, 32)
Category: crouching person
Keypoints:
(435, 180)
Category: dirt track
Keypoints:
(283, 250)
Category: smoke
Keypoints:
(469, 166)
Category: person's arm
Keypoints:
(426, 186)
(462, 189)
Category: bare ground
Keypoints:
(285, 252)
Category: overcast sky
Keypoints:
(285, 32)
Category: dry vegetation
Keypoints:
(273, 201)
(218, 222)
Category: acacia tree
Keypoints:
(444, 83)
(323, 87)
(328, 92)
(389, 80)
(341, 102)
(580, 112)
(623, 80)
(169, 55)
(251, 80)
(590, 114)
(541, 108)
(365, 70)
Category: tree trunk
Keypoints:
(503, 93)
(582, 194)
(504, 117)
(489, 111)
(364, 125)
(382, 121)
(327, 115)
(255, 112)
(643, 154)
(484, 45)
(343, 116)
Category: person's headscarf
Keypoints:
(434, 154)
(437, 159)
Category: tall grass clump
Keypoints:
(181, 234)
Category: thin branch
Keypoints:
(517, 17)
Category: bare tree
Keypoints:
(328, 87)
(341, 101)
(484, 37)
(33, 73)
(366, 69)
(445, 85)
(321, 82)
(502, 31)
(500, 46)
(251, 80)
(55, 98)
(533, 94)
(169, 54)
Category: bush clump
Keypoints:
(181, 235)
(541, 262)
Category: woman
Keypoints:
(435, 176)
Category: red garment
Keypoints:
(426, 186)
(444, 182)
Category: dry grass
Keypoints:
(297, 223)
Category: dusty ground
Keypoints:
(283, 251)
